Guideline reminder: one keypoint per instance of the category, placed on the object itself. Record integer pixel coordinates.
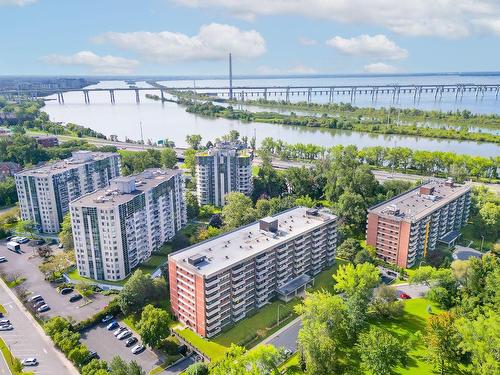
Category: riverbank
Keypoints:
(362, 125)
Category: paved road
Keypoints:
(26, 264)
(413, 290)
(179, 367)
(286, 337)
(27, 339)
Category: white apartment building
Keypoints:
(225, 168)
(116, 229)
(45, 192)
(219, 281)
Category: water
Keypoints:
(169, 120)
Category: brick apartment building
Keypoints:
(219, 281)
(407, 227)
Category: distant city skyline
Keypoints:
(194, 37)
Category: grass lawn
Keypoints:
(470, 233)
(211, 349)
(9, 358)
(3, 310)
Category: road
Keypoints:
(27, 339)
(26, 265)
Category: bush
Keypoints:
(198, 368)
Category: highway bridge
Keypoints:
(286, 93)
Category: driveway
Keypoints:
(286, 337)
(28, 340)
(413, 290)
(26, 265)
(108, 346)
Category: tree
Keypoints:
(190, 160)
(351, 209)
(57, 264)
(348, 249)
(323, 337)
(197, 368)
(85, 288)
(232, 363)
(489, 215)
(154, 326)
(385, 303)
(442, 340)
(95, 367)
(481, 338)
(264, 359)
(169, 158)
(440, 296)
(238, 210)
(380, 351)
(118, 366)
(26, 227)
(215, 221)
(269, 182)
(55, 325)
(66, 234)
(66, 340)
(194, 141)
(140, 289)
(44, 251)
(79, 355)
(357, 280)
(192, 206)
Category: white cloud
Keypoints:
(380, 68)
(98, 64)
(372, 46)
(296, 69)
(19, 3)
(213, 42)
(444, 18)
(307, 41)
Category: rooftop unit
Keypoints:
(268, 224)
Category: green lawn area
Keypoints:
(211, 349)
(169, 359)
(9, 358)
(3, 310)
(470, 233)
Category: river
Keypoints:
(170, 120)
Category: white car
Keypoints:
(22, 240)
(124, 335)
(137, 349)
(29, 362)
(7, 327)
(119, 330)
(4, 322)
(3, 259)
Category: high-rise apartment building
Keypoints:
(225, 168)
(219, 281)
(409, 226)
(116, 229)
(45, 192)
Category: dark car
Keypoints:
(131, 341)
(39, 303)
(66, 290)
(111, 326)
(92, 354)
(75, 297)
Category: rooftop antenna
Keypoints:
(230, 77)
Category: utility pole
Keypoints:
(142, 135)
(230, 77)
(278, 320)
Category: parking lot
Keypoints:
(26, 265)
(108, 346)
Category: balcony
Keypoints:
(212, 298)
(214, 319)
(211, 283)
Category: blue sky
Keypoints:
(180, 37)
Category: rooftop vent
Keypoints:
(196, 259)
(312, 212)
(449, 182)
(426, 190)
(268, 224)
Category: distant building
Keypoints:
(117, 228)
(5, 132)
(8, 169)
(406, 228)
(47, 140)
(45, 192)
(220, 281)
(224, 168)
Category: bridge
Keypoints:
(242, 93)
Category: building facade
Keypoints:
(8, 169)
(219, 281)
(407, 227)
(47, 140)
(225, 168)
(116, 229)
(45, 192)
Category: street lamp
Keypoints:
(278, 318)
(482, 243)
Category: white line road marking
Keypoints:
(45, 351)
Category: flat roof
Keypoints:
(112, 196)
(412, 205)
(246, 242)
(66, 164)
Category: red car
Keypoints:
(404, 296)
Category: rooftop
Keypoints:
(123, 189)
(225, 251)
(421, 201)
(78, 158)
(237, 147)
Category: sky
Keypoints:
(194, 37)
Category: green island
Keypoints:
(353, 123)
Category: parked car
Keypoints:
(92, 354)
(3, 259)
(43, 308)
(107, 318)
(124, 335)
(39, 303)
(22, 240)
(36, 297)
(38, 242)
(131, 341)
(29, 362)
(75, 297)
(60, 246)
(66, 290)
(112, 325)
(137, 349)
(6, 328)
(404, 296)
(14, 246)
(119, 330)
(4, 322)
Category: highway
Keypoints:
(27, 339)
